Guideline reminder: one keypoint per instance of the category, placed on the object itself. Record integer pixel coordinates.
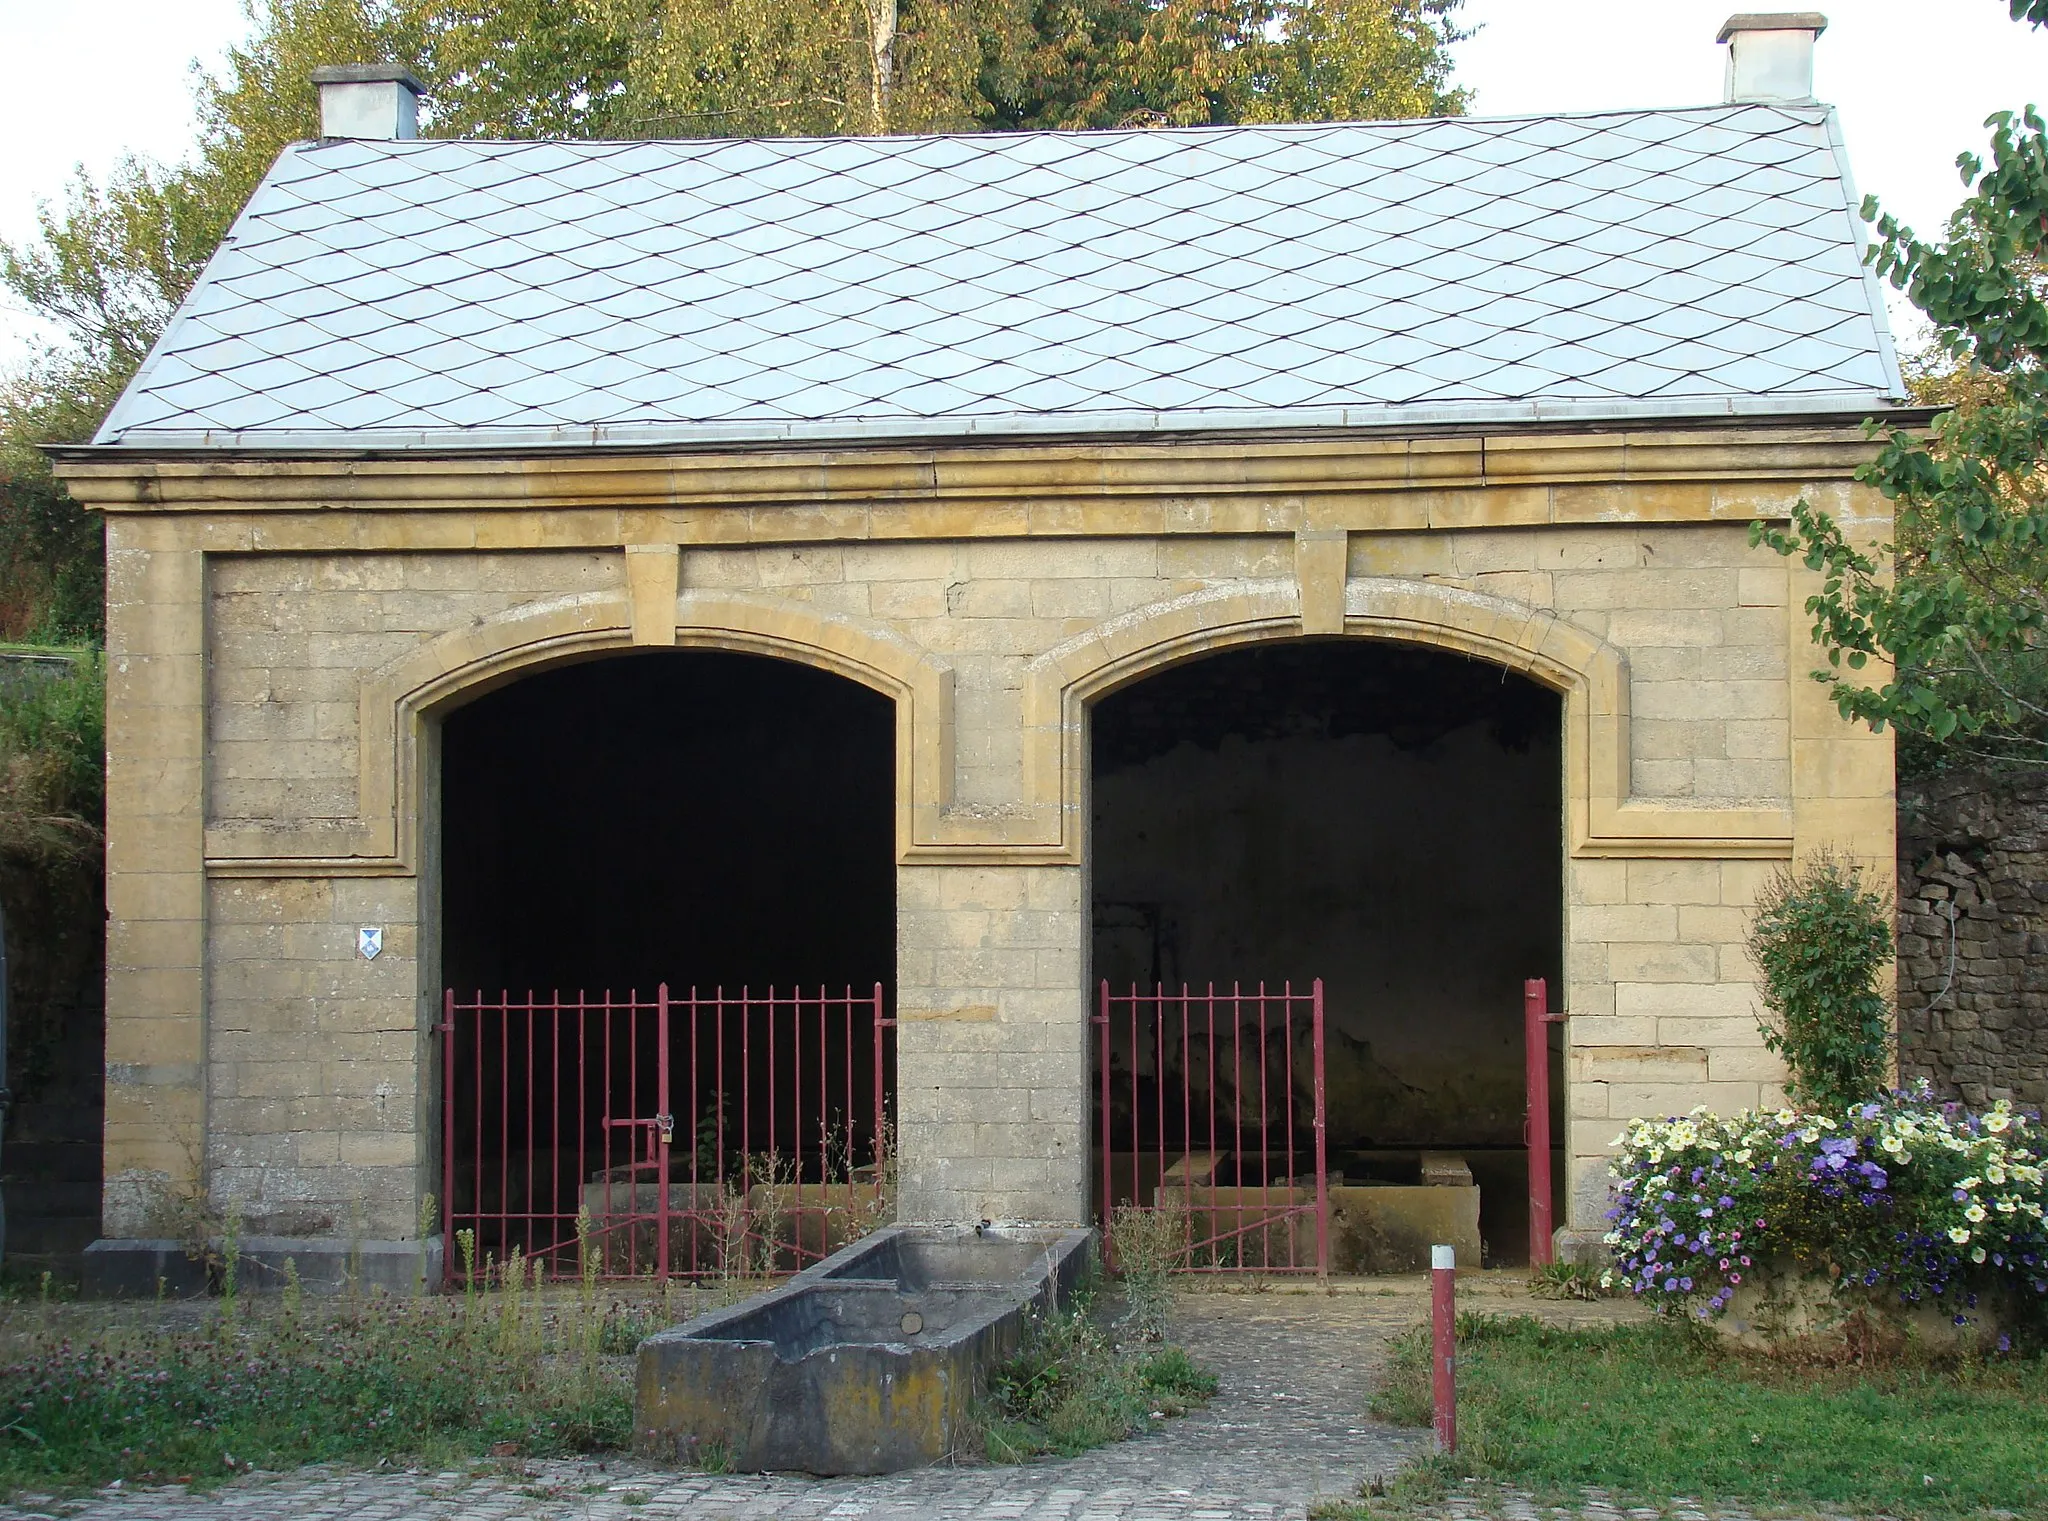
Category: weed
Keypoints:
(230, 1265)
(732, 1222)
(625, 1326)
(1567, 1280)
(359, 1381)
(771, 1175)
(1421, 1485)
(1070, 1388)
(1150, 1245)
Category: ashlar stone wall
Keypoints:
(283, 636)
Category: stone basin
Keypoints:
(867, 1362)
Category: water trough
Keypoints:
(867, 1362)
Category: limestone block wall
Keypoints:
(282, 637)
(992, 1042)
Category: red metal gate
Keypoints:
(1218, 1098)
(686, 1134)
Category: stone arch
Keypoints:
(460, 666)
(464, 664)
(1591, 674)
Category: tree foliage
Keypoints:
(1958, 606)
(737, 67)
(1822, 940)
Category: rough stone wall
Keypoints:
(1973, 937)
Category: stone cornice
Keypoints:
(1308, 472)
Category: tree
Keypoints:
(1106, 63)
(742, 68)
(1959, 605)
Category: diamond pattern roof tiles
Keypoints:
(502, 295)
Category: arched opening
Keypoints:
(1385, 817)
(667, 890)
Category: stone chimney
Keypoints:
(376, 100)
(1770, 56)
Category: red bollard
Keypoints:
(1536, 1116)
(1443, 1329)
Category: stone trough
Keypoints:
(867, 1362)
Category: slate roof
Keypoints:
(452, 295)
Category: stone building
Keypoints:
(980, 566)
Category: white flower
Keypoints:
(1974, 1214)
(1997, 1120)
(1958, 1234)
(1977, 1254)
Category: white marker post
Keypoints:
(1443, 1325)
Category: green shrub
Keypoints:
(53, 763)
(1822, 940)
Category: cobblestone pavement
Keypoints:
(1286, 1428)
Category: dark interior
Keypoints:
(693, 817)
(707, 820)
(1386, 817)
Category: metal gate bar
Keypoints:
(568, 1110)
(1217, 1103)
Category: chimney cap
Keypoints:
(367, 73)
(1773, 21)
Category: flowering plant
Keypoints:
(1902, 1196)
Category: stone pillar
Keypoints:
(1844, 793)
(156, 876)
(992, 1043)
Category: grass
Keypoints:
(1071, 1388)
(1652, 1412)
(184, 1393)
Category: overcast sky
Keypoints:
(90, 79)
